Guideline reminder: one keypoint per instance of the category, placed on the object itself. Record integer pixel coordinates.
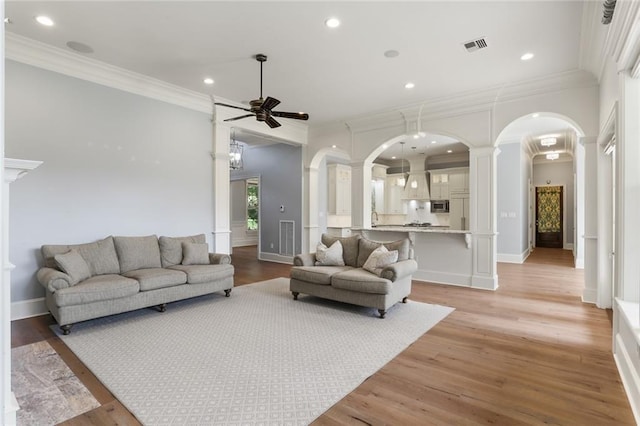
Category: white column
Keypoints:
(360, 195)
(221, 188)
(13, 169)
(604, 229)
(483, 217)
(590, 292)
(311, 228)
(578, 244)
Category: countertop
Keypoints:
(401, 228)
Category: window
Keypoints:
(252, 204)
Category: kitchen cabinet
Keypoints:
(459, 212)
(339, 190)
(459, 181)
(393, 196)
(439, 185)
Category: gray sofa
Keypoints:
(351, 283)
(120, 274)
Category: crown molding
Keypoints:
(471, 102)
(41, 55)
(592, 39)
(623, 41)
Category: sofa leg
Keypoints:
(295, 295)
(227, 292)
(66, 329)
(404, 299)
(382, 313)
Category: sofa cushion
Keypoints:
(317, 274)
(137, 252)
(195, 254)
(96, 289)
(197, 274)
(379, 259)
(361, 281)
(100, 256)
(366, 247)
(72, 264)
(329, 256)
(349, 247)
(171, 248)
(154, 278)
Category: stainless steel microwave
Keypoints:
(439, 206)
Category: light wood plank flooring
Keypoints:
(529, 353)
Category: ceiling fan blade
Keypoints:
(239, 118)
(270, 103)
(272, 122)
(232, 106)
(295, 115)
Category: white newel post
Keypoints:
(13, 169)
(221, 188)
(360, 195)
(483, 218)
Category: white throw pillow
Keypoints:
(329, 256)
(379, 259)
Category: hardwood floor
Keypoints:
(529, 353)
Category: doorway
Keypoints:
(549, 212)
(245, 212)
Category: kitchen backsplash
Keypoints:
(417, 211)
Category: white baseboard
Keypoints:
(243, 242)
(568, 246)
(275, 257)
(579, 263)
(629, 376)
(513, 258)
(589, 295)
(442, 278)
(28, 308)
(484, 283)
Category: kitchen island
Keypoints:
(444, 256)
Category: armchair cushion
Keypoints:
(197, 274)
(361, 281)
(380, 258)
(349, 247)
(171, 248)
(155, 278)
(329, 256)
(98, 288)
(100, 256)
(73, 265)
(195, 254)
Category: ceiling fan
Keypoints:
(262, 109)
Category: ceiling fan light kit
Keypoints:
(262, 108)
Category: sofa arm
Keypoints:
(399, 269)
(53, 280)
(219, 259)
(305, 259)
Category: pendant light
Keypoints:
(402, 181)
(235, 153)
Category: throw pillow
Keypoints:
(329, 256)
(74, 265)
(195, 254)
(379, 259)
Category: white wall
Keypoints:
(511, 217)
(114, 164)
(559, 174)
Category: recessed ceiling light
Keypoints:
(44, 20)
(434, 141)
(553, 156)
(391, 53)
(449, 151)
(334, 146)
(409, 85)
(548, 141)
(208, 80)
(535, 115)
(394, 157)
(332, 22)
(526, 56)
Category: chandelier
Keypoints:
(235, 153)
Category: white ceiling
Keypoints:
(332, 74)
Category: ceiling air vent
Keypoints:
(474, 45)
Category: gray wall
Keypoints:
(114, 164)
(509, 201)
(280, 170)
(559, 173)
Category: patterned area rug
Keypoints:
(258, 357)
(46, 389)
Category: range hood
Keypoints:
(416, 187)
